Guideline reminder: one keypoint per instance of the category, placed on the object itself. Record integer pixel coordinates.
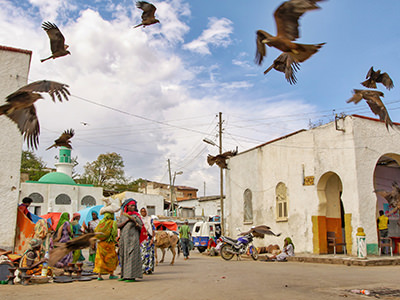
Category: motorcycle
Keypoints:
(238, 246)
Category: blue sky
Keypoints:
(153, 93)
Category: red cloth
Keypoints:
(75, 215)
(143, 231)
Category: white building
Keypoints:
(58, 192)
(200, 207)
(14, 70)
(314, 181)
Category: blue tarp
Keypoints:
(86, 214)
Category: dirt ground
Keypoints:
(204, 277)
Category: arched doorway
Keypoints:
(330, 213)
(387, 171)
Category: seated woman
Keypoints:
(31, 258)
(288, 250)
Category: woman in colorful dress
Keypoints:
(76, 231)
(31, 258)
(131, 236)
(106, 260)
(147, 246)
(90, 229)
(63, 235)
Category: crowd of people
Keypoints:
(127, 241)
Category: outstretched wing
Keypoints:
(211, 159)
(149, 9)
(261, 50)
(377, 107)
(287, 17)
(287, 64)
(260, 231)
(66, 135)
(385, 79)
(28, 124)
(53, 88)
(56, 37)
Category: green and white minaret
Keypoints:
(64, 164)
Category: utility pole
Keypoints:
(221, 175)
(170, 187)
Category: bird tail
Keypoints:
(306, 51)
(51, 146)
(138, 25)
(44, 59)
(269, 69)
(369, 84)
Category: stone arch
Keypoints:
(36, 197)
(88, 200)
(63, 199)
(330, 212)
(387, 171)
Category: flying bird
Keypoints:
(220, 159)
(260, 231)
(58, 48)
(287, 64)
(148, 17)
(80, 242)
(287, 17)
(375, 77)
(63, 140)
(374, 102)
(20, 107)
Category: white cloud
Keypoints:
(217, 34)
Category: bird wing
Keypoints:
(370, 73)
(287, 64)
(385, 79)
(81, 242)
(378, 108)
(28, 124)
(56, 37)
(149, 9)
(57, 253)
(53, 88)
(382, 193)
(357, 96)
(287, 17)
(228, 154)
(221, 161)
(261, 50)
(66, 135)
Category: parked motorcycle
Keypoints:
(238, 246)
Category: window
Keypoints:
(88, 201)
(281, 202)
(247, 206)
(36, 197)
(63, 199)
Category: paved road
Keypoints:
(203, 277)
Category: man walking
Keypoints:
(184, 233)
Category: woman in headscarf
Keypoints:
(288, 250)
(63, 235)
(106, 260)
(90, 229)
(41, 233)
(131, 235)
(76, 231)
(147, 246)
(31, 258)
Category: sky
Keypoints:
(153, 94)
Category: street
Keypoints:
(204, 277)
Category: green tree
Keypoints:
(32, 165)
(106, 170)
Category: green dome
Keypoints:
(57, 178)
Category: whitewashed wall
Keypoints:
(51, 191)
(14, 69)
(208, 207)
(351, 154)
